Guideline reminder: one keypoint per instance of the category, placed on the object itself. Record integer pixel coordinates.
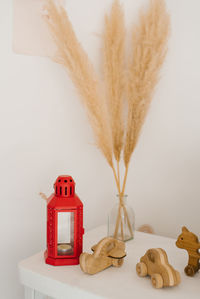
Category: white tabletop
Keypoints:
(117, 283)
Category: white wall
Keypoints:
(44, 133)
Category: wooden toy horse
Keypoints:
(189, 241)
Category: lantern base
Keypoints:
(60, 261)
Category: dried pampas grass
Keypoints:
(114, 46)
(71, 55)
(149, 45)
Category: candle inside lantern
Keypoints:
(65, 233)
(64, 249)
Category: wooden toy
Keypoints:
(155, 264)
(108, 252)
(189, 241)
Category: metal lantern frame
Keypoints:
(64, 218)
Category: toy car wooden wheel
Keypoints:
(141, 269)
(189, 270)
(157, 281)
(117, 262)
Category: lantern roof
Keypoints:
(64, 196)
(64, 186)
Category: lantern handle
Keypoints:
(43, 195)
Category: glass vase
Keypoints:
(121, 220)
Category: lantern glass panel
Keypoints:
(65, 242)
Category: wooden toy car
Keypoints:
(108, 252)
(189, 241)
(155, 264)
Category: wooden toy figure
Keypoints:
(108, 252)
(155, 264)
(189, 241)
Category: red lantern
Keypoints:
(64, 224)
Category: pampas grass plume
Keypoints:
(114, 40)
(149, 47)
(71, 55)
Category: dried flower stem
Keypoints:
(122, 230)
(114, 52)
(125, 179)
(148, 52)
(119, 217)
(149, 49)
(118, 172)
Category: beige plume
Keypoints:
(114, 40)
(71, 55)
